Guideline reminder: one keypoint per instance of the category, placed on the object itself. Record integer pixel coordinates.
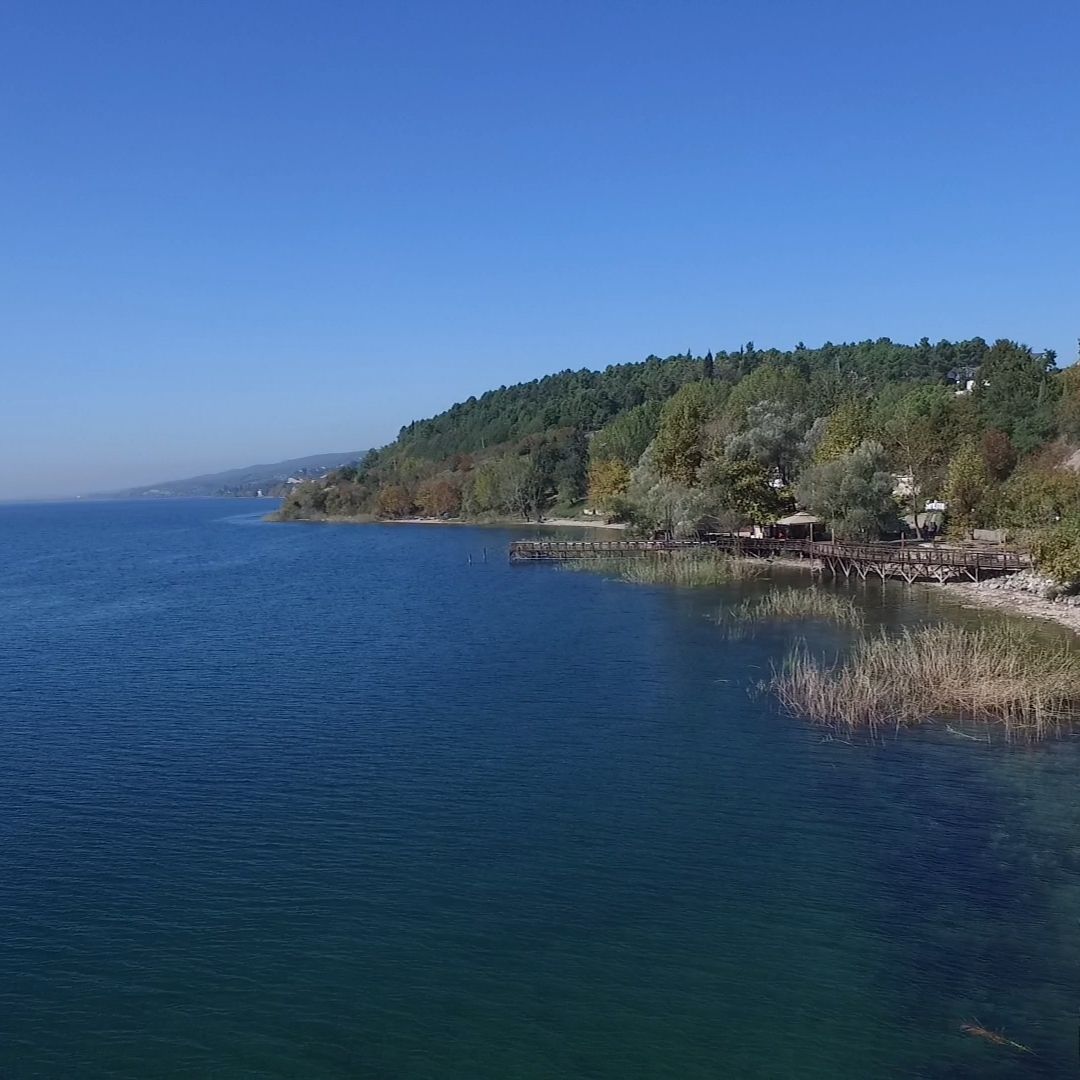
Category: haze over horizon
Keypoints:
(254, 232)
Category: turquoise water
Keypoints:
(312, 801)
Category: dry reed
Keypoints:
(685, 568)
(795, 603)
(1006, 678)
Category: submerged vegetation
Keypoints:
(1007, 678)
(795, 603)
(685, 568)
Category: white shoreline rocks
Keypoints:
(1029, 594)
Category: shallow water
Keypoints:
(317, 801)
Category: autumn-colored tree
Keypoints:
(608, 481)
(394, 501)
(998, 453)
(439, 498)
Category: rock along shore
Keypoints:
(1027, 594)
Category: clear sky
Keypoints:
(247, 230)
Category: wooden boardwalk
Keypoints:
(910, 562)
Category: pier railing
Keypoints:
(909, 561)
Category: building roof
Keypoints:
(801, 518)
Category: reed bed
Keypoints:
(1005, 678)
(685, 568)
(782, 605)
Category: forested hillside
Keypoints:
(744, 436)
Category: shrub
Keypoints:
(1057, 552)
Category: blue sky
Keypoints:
(251, 230)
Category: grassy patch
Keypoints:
(686, 568)
(1006, 678)
(781, 605)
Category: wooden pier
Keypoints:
(909, 562)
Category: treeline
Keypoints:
(862, 434)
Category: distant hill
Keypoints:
(273, 479)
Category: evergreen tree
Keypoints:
(1015, 394)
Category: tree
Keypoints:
(846, 427)
(653, 503)
(743, 486)
(677, 447)
(773, 438)
(394, 501)
(1015, 394)
(709, 366)
(853, 493)
(439, 497)
(772, 381)
(482, 493)
(998, 454)
(967, 487)
(522, 487)
(1068, 409)
(1040, 493)
(608, 481)
(918, 436)
(627, 435)
(1057, 552)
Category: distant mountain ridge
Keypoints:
(275, 478)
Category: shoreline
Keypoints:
(1013, 602)
(503, 523)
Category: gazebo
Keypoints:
(800, 526)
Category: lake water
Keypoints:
(313, 802)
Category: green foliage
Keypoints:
(677, 449)
(782, 384)
(852, 493)
(1057, 552)
(967, 488)
(742, 486)
(1015, 394)
(625, 438)
(773, 439)
(1068, 407)
(728, 433)
(919, 437)
(1040, 494)
(846, 427)
(657, 504)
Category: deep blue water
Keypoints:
(313, 802)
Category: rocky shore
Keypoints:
(1027, 594)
